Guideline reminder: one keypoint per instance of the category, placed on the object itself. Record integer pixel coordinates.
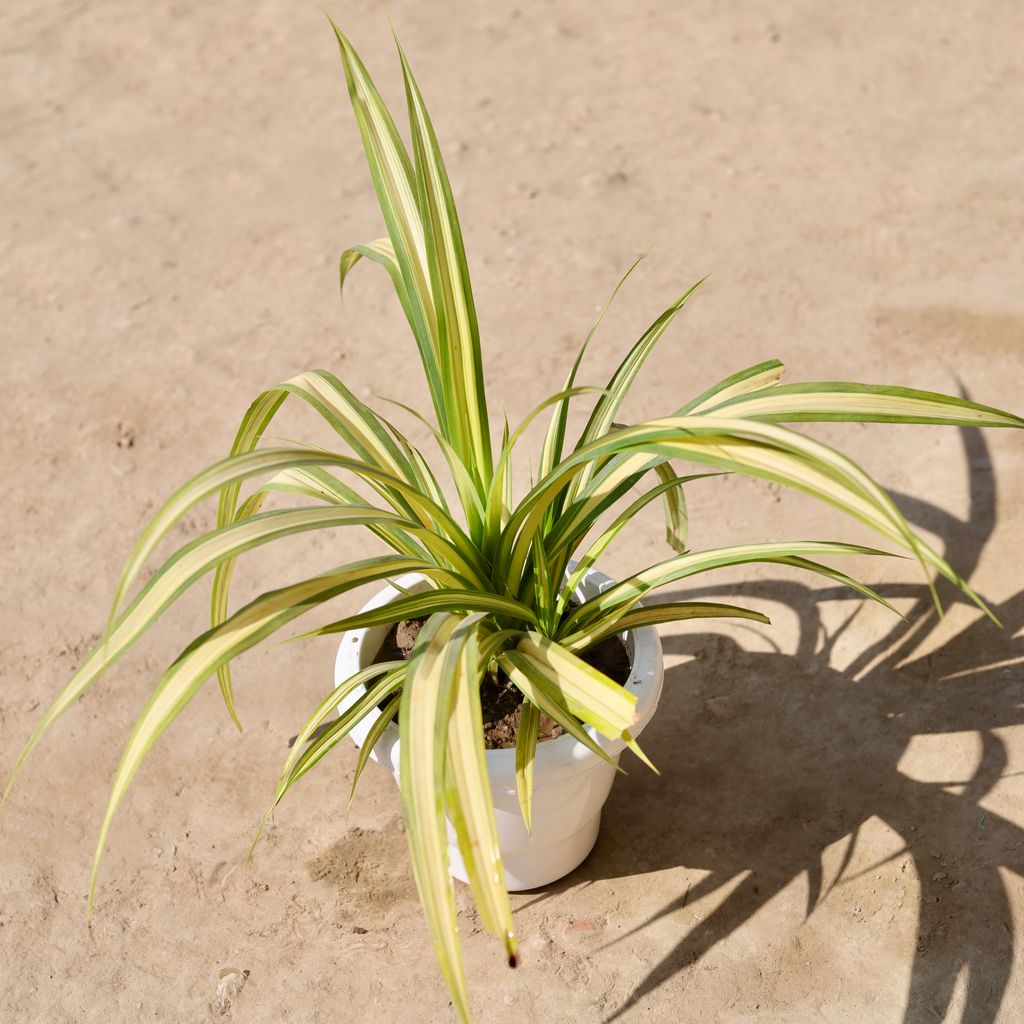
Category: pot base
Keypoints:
(536, 866)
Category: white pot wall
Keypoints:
(571, 784)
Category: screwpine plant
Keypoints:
(501, 571)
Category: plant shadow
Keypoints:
(784, 755)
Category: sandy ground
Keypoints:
(837, 833)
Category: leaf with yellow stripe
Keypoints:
(302, 757)
(554, 439)
(415, 606)
(538, 688)
(310, 482)
(652, 615)
(188, 565)
(395, 183)
(753, 379)
(376, 731)
(526, 753)
(336, 731)
(468, 790)
(692, 563)
(668, 485)
(864, 403)
(329, 705)
(588, 693)
(427, 700)
(247, 627)
(461, 360)
(603, 416)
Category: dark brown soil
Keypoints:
(500, 701)
(399, 642)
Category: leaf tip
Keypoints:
(8, 788)
(90, 899)
(512, 949)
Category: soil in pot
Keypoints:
(500, 701)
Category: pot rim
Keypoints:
(555, 758)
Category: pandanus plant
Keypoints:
(501, 571)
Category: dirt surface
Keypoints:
(836, 834)
(501, 704)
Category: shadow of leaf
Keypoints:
(768, 759)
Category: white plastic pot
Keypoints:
(571, 783)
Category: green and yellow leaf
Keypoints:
(526, 751)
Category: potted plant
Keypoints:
(504, 588)
(547, 796)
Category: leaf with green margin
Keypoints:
(458, 333)
(426, 479)
(587, 693)
(554, 440)
(353, 421)
(219, 601)
(183, 569)
(767, 462)
(329, 738)
(379, 251)
(303, 758)
(394, 181)
(247, 627)
(526, 675)
(313, 483)
(376, 731)
(611, 619)
(469, 799)
(594, 552)
(652, 615)
(753, 379)
(543, 588)
(472, 505)
(729, 443)
(500, 482)
(526, 750)
(316, 483)
(862, 403)
(681, 566)
(427, 699)
(331, 702)
(603, 416)
(450, 599)
(677, 519)
(230, 471)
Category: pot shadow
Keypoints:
(768, 759)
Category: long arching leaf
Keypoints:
(427, 700)
(414, 606)
(652, 615)
(247, 627)
(394, 182)
(863, 403)
(671, 570)
(458, 334)
(469, 800)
